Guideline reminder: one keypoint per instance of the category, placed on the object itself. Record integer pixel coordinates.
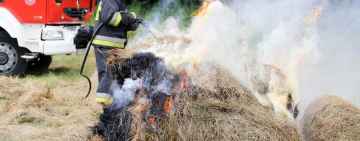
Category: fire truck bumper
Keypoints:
(59, 39)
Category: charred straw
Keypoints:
(157, 86)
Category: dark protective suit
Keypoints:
(118, 21)
(113, 35)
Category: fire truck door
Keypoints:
(27, 11)
(68, 11)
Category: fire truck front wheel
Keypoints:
(10, 61)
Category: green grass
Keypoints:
(64, 68)
(3, 98)
(183, 11)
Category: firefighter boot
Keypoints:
(104, 99)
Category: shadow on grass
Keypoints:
(55, 71)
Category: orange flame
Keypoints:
(168, 104)
(184, 80)
(314, 16)
(151, 120)
(203, 8)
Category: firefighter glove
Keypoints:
(128, 18)
(83, 36)
(130, 21)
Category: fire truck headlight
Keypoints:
(52, 35)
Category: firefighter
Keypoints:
(117, 21)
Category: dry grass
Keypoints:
(36, 112)
(333, 119)
(215, 107)
(49, 106)
(227, 111)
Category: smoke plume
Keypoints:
(124, 94)
(313, 42)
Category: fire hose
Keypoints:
(88, 48)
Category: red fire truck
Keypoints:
(31, 31)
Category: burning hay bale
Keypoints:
(114, 125)
(272, 88)
(139, 81)
(172, 105)
(225, 112)
(331, 118)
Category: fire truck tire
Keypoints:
(45, 61)
(40, 64)
(11, 62)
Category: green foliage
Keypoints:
(181, 9)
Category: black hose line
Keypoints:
(88, 48)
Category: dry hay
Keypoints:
(229, 112)
(31, 110)
(220, 110)
(331, 118)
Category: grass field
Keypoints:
(63, 67)
(48, 105)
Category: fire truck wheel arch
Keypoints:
(9, 23)
(12, 26)
(10, 61)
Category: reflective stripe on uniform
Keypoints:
(116, 19)
(103, 98)
(97, 16)
(109, 41)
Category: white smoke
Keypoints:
(314, 42)
(336, 72)
(125, 94)
(148, 78)
(320, 56)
